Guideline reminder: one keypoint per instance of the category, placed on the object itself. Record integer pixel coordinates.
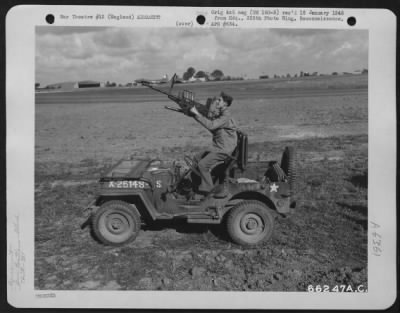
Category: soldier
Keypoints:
(223, 129)
(212, 110)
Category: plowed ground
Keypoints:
(324, 242)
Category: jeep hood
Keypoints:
(132, 168)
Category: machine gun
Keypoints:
(185, 99)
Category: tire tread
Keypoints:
(232, 214)
(129, 208)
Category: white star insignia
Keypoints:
(274, 188)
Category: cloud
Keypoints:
(123, 54)
(113, 38)
(246, 39)
(289, 32)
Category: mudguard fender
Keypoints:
(145, 208)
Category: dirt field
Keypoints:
(80, 134)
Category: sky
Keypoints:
(122, 55)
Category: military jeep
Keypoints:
(140, 191)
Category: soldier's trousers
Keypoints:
(206, 160)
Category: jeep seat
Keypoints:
(239, 156)
(227, 169)
(223, 170)
(235, 161)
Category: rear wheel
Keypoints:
(116, 223)
(250, 223)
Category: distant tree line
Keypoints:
(306, 74)
(110, 84)
(215, 75)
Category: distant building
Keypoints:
(130, 84)
(88, 84)
(199, 79)
(65, 86)
(356, 72)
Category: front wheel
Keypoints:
(116, 223)
(250, 223)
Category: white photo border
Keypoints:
(20, 107)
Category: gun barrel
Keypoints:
(156, 89)
(185, 98)
(173, 109)
(170, 96)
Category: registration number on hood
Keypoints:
(139, 184)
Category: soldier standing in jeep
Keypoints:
(145, 190)
(223, 128)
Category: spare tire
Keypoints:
(275, 173)
(288, 166)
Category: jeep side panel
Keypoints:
(275, 195)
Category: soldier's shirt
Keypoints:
(223, 129)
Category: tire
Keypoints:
(250, 223)
(288, 166)
(116, 223)
(275, 173)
